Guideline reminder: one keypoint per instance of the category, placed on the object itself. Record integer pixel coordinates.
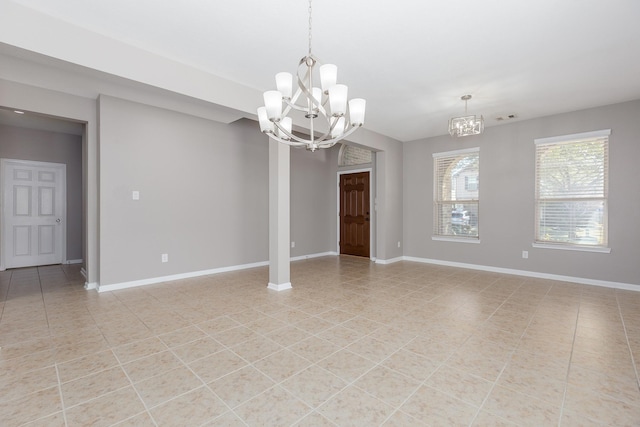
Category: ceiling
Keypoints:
(411, 60)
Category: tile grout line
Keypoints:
(626, 336)
(64, 410)
(566, 380)
(495, 382)
(132, 384)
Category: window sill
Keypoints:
(598, 249)
(456, 239)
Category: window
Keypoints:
(571, 190)
(351, 155)
(456, 194)
(471, 183)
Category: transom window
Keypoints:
(351, 155)
(456, 194)
(572, 190)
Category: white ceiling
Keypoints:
(411, 59)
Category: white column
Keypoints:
(279, 208)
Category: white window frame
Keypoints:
(569, 139)
(437, 201)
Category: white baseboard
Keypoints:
(73, 261)
(280, 287)
(581, 280)
(154, 280)
(388, 261)
(318, 255)
(90, 286)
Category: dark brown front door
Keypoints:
(354, 214)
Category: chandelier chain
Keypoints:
(309, 27)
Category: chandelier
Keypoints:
(466, 125)
(336, 118)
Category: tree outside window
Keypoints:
(571, 190)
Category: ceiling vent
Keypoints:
(506, 117)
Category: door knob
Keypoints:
(58, 220)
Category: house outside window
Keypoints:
(351, 155)
(456, 194)
(571, 191)
(471, 183)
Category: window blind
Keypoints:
(571, 178)
(456, 201)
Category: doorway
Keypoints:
(34, 217)
(355, 214)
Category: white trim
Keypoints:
(455, 239)
(318, 255)
(456, 152)
(154, 280)
(280, 287)
(581, 280)
(389, 261)
(83, 272)
(567, 247)
(90, 286)
(572, 137)
(73, 261)
(372, 214)
(343, 172)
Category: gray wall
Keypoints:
(203, 193)
(389, 191)
(314, 201)
(507, 197)
(61, 103)
(42, 146)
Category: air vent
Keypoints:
(506, 117)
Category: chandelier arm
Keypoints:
(308, 91)
(275, 137)
(290, 106)
(331, 142)
(286, 132)
(301, 141)
(320, 142)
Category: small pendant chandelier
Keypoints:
(340, 120)
(466, 125)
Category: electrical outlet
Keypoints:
(165, 257)
(525, 254)
(135, 195)
(293, 244)
(398, 244)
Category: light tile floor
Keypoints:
(353, 343)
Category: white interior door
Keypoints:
(33, 213)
